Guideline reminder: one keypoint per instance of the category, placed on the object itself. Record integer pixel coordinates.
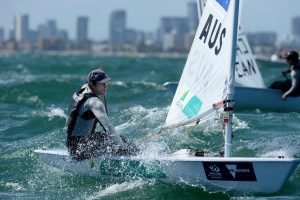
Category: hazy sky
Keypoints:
(257, 15)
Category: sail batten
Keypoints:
(207, 71)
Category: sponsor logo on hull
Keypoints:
(229, 171)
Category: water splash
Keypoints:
(140, 120)
(287, 146)
(117, 188)
(239, 124)
(12, 185)
(55, 112)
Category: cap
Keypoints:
(99, 76)
(291, 55)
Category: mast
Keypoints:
(200, 5)
(229, 103)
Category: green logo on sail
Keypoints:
(184, 94)
(193, 107)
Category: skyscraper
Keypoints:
(21, 28)
(296, 26)
(82, 29)
(117, 29)
(172, 32)
(180, 24)
(1, 35)
(42, 31)
(192, 15)
(51, 28)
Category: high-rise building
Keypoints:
(131, 36)
(171, 27)
(179, 24)
(63, 35)
(51, 28)
(117, 29)
(82, 29)
(42, 31)
(1, 35)
(262, 38)
(21, 28)
(11, 35)
(192, 15)
(296, 26)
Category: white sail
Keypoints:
(247, 73)
(206, 75)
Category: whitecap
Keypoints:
(239, 124)
(14, 186)
(56, 112)
(287, 146)
(29, 99)
(120, 83)
(116, 188)
(139, 116)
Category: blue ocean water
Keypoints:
(35, 92)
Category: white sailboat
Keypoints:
(193, 103)
(250, 89)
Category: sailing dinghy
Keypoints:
(194, 102)
(250, 89)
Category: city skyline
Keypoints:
(141, 15)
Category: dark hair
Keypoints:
(98, 76)
(292, 55)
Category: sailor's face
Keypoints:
(291, 62)
(101, 88)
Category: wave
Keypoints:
(55, 112)
(266, 198)
(117, 188)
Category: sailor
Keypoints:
(86, 111)
(290, 87)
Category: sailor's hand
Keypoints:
(283, 97)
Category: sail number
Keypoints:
(214, 33)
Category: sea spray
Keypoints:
(117, 188)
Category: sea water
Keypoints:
(35, 92)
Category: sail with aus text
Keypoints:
(247, 73)
(207, 72)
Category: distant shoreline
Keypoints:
(100, 54)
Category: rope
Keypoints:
(149, 137)
(120, 98)
(186, 134)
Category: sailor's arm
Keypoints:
(98, 108)
(285, 73)
(295, 84)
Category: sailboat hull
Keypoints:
(247, 98)
(265, 175)
(264, 99)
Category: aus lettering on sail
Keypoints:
(213, 34)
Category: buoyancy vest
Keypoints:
(75, 105)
